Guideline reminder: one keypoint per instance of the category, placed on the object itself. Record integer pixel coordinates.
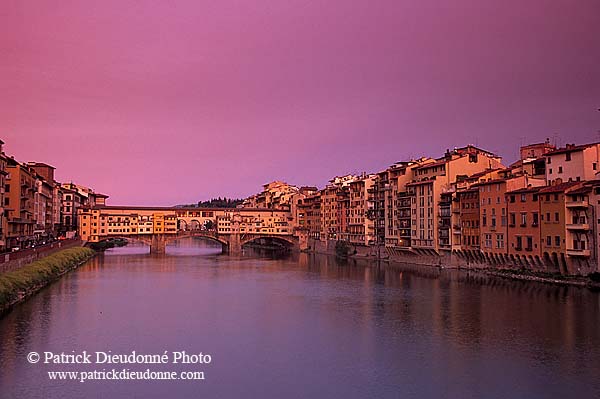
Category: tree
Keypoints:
(342, 249)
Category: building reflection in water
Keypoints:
(401, 321)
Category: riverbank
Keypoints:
(15, 260)
(17, 285)
(523, 271)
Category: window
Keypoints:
(535, 219)
(529, 243)
(549, 161)
(535, 197)
(523, 219)
(7, 188)
(488, 240)
(557, 241)
(548, 241)
(512, 219)
(499, 241)
(550, 170)
(512, 199)
(523, 198)
(560, 169)
(519, 243)
(556, 216)
(594, 166)
(568, 156)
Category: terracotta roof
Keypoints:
(571, 149)
(430, 165)
(40, 164)
(483, 183)
(559, 188)
(525, 190)
(580, 190)
(416, 183)
(537, 144)
(483, 173)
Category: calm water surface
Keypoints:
(304, 326)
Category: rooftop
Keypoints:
(571, 148)
(525, 190)
(559, 188)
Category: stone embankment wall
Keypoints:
(473, 260)
(15, 260)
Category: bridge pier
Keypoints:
(158, 244)
(235, 245)
(235, 242)
(302, 241)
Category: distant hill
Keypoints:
(215, 203)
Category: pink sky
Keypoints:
(161, 103)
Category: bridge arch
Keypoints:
(285, 240)
(182, 225)
(146, 240)
(200, 234)
(195, 224)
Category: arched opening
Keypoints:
(195, 225)
(269, 243)
(182, 225)
(555, 262)
(195, 245)
(122, 245)
(565, 267)
(546, 261)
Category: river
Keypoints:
(302, 326)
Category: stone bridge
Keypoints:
(157, 226)
(232, 243)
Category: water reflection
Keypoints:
(302, 325)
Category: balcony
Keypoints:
(578, 252)
(577, 204)
(578, 226)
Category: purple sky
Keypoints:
(159, 103)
